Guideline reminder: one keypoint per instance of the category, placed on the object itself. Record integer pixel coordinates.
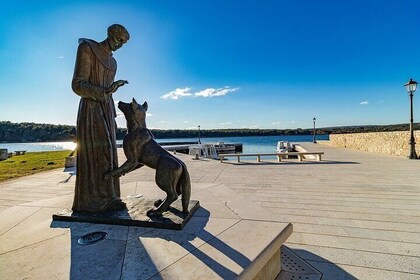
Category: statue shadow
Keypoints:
(71, 172)
(100, 260)
(139, 252)
(195, 240)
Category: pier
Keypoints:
(184, 147)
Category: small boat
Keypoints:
(284, 147)
(223, 148)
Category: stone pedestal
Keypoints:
(134, 215)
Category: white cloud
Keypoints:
(210, 92)
(364, 103)
(149, 115)
(60, 57)
(225, 123)
(178, 93)
(185, 121)
(162, 121)
(276, 123)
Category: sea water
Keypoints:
(251, 144)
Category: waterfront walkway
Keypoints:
(354, 214)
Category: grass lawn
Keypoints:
(31, 163)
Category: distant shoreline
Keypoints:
(33, 132)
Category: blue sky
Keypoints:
(229, 64)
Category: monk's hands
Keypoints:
(115, 85)
(107, 176)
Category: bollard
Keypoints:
(3, 154)
(70, 162)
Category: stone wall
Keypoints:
(391, 143)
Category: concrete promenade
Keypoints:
(355, 215)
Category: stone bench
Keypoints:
(300, 155)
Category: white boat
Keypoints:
(203, 150)
(284, 147)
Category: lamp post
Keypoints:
(199, 140)
(411, 87)
(314, 139)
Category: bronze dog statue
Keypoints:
(141, 149)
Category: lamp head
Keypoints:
(411, 86)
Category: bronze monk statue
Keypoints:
(93, 81)
(141, 149)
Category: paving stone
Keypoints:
(213, 207)
(239, 205)
(309, 204)
(10, 202)
(336, 272)
(34, 229)
(320, 229)
(39, 261)
(62, 201)
(369, 224)
(13, 216)
(372, 234)
(406, 264)
(408, 249)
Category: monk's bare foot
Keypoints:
(116, 206)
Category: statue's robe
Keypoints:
(96, 129)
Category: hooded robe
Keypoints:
(96, 129)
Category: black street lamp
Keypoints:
(411, 87)
(199, 140)
(314, 138)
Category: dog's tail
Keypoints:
(184, 186)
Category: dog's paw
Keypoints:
(153, 213)
(158, 202)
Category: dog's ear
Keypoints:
(134, 105)
(145, 106)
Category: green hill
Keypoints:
(34, 132)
